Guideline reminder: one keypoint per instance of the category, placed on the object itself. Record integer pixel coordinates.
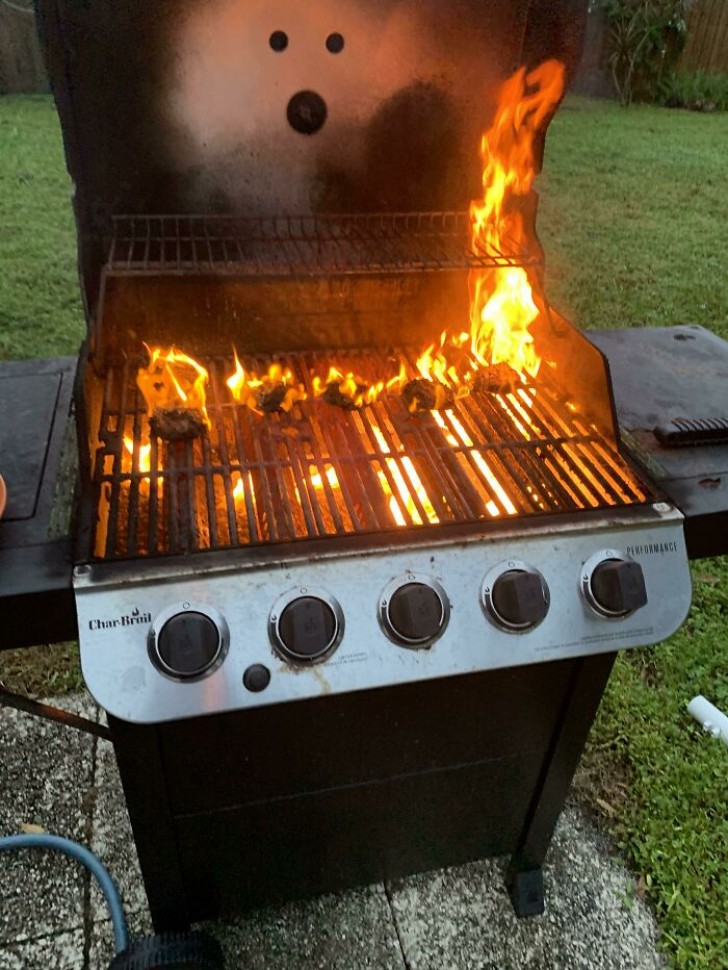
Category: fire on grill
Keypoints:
(232, 450)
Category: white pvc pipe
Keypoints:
(712, 720)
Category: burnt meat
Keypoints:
(422, 395)
(340, 399)
(177, 424)
(269, 397)
(497, 379)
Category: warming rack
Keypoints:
(303, 246)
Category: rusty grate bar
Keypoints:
(323, 471)
(302, 246)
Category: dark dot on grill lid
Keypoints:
(278, 40)
(335, 43)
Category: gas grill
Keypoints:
(349, 635)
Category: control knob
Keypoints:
(306, 625)
(188, 643)
(615, 586)
(414, 611)
(515, 596)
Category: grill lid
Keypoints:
(237, 106)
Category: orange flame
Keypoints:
(248, 387)
(351, 386)
(405, 492)
(173, 379)
(145, 451)
(317, 481)
(502, 307)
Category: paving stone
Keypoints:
(462, 917)
(111, 837)
(63, 951)
(350, 931)
(45, 779)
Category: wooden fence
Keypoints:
(21, 63)
(706, 46)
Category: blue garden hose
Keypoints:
(95, 867)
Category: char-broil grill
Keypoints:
(342, 633)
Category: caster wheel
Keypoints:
(171, 951)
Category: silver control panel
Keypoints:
(257, 633)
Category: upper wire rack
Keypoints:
(303, 246)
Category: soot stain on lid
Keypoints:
(412, 158)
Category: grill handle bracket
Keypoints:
(55, 714)
(690, 432)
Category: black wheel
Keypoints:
(171, 951)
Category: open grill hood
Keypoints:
(180, 106)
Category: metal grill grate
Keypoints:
(301, 246)
(322, 471)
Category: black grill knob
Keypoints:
(617, 587)
(307, 628)
(415, 613)
(519, 598)
(187, 645)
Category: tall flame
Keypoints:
(502, 307)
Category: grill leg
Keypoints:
(526, 892)
(524, 878)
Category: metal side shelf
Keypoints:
(38, 463)
(671, 391)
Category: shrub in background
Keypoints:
(645, 40)
(695, 90)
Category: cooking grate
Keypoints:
(303, 245)
(323, 471)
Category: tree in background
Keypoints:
(645, 39)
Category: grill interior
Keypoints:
(319, 470)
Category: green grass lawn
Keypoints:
(634, 222)
(40, 304)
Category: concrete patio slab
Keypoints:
(463, 917)
(62, 951)
(46, 773)
(349, 931)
